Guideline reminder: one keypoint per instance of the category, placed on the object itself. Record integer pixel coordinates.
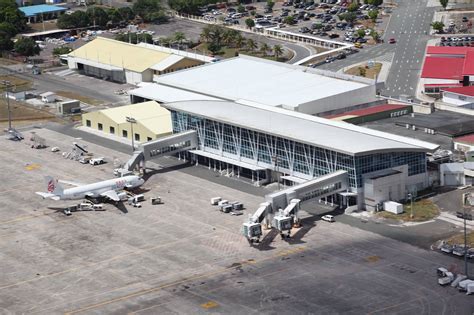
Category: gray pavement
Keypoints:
(185, 257)
(409, 24)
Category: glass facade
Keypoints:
(289, 156)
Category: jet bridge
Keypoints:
(154, 149)
(284, 205)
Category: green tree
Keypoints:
(27, 46)
(240, 9)
(375, 36)
(362, 71)
(6, 43)
(114, 16)
(239, 41)
(10, 14)
(373, 15)
(349, 17)
(179, 38)
(354, 6)
(250, 23)
(444, 3)
(187, 6)
(264, 48)
(214, 47)
(290, 20)
(144, 7)
(360, 33)
(229, 36)
(62, 50)
(270, 5)
(98, 16)
(251, 44)
(277, 51)
(317, 26)
(374, 2)
(438, 26)
(74, 20)
(126, 13)
(213, 33)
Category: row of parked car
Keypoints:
(458, 250)
(457, 41)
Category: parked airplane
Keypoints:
(111, 189)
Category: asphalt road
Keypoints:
(51, 82)
(409, 24)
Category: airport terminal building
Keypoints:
(261, 141)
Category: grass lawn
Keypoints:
(369, 73)
(423, 210)
(16, 82)
(80, 97)
(8, 62)
(459, 239)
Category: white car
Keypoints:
(328, 218)
(97, 161)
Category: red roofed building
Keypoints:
(464, 143)
(459, 96)
(447, 67)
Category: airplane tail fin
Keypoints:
(52, 186)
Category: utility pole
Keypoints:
(275, 160)
(132, 121)
(467, 201)
(7, 90)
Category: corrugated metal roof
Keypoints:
(469, 139)
(167, 62)
(165, 94)
(261, 81)
(443, 68)
(463, 90)
(150, 114)
(325, 133)
(41, 8)
(119, 54)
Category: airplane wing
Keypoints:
(48, 195)
(71, 183)
(111, 194)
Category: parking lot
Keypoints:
(322, 20)
(184, 256)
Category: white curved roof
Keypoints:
(338, 136)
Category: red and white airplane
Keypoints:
(112, 189)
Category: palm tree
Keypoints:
(250, 44)
(264, 48)
(165, 41)
(179, 37)
(239, 41)
(230, 37)
(206, 33)
(277, 51)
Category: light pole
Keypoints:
(411, 205)
(7, 90)
(275, 160)
(132, 121)
(466, 201)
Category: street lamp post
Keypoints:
(7, 90)
(275, 160)
(411, 205)
(467, 201)
(132, 121)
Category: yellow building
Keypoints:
(152, 121)
(122, 62)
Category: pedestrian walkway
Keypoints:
(447, 217)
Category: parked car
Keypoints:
(97, 161)
(461, 215)
(446, 248)
(333, 35)
(459, 250)
(328, 218)
(304, 30)
(392, 41)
